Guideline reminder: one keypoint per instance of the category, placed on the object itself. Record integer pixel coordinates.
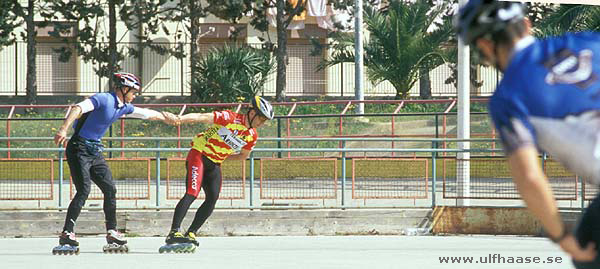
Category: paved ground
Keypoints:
(308, 252)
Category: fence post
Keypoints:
(251, 179)
(434, 172)
(16, 69)
(437, 134)
(158, 174)
(582, 194)
(110, 142)
(544, 156)
(343, 175)
(60, 175)
(279, 136)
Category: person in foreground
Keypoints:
(232, 136)
(91, 118)
(548, 98)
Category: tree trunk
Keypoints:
(424, 84)
(31, 77)
(281, 52)
(112, 43)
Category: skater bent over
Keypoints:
(549, 98)
(92, 117)
(231, 137)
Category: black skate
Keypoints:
(178, 243)
(68, 244)
(115, 243)
(192, 238)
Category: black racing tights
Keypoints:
(86, 167)
(588, 230)
(210, 180)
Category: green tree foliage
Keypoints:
(9, 21)
(569, 18)
(150, 17)
(231, 74)
(403, 38)
(234, 10)
(92, 42)
(13, 15)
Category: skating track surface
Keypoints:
(283, 252)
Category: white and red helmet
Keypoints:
(128, 80)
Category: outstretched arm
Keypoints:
(535, 191)
(171, 118)
(61, 134)
(243, 155)
(146, 114)
(208, 118)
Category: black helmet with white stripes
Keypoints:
(485, 18)
(263, 107)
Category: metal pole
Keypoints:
(437, 124)
(158, 174)
(110, 143)
(433, 175)
(279, 136)
(343, 175)
(251, 179)
(358, 59)
(16, 69)
(60, 177)
(342, 80)
(462, 160)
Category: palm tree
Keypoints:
(569, 18)
(230, 73)
(404, 37)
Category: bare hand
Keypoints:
(571, 246)
(171, 118)
(60, 138)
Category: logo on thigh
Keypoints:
(194, 177)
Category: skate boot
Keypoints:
(178, 243)
(192, 238)
(115, 242)
(67, 244)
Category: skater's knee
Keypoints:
(110, 191)
(211, 201)
(81, 195)
(212, 197)
(188, 198)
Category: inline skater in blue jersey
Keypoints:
(549, 98)
(91, 119)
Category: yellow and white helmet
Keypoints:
(263, 107)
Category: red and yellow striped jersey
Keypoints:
(227, 136)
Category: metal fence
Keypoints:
(383, 118)
(427, 179)
(168, 75)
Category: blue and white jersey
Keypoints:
(550, 97)
(107, 109)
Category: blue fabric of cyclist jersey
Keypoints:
(107, 109)
(550, 97)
